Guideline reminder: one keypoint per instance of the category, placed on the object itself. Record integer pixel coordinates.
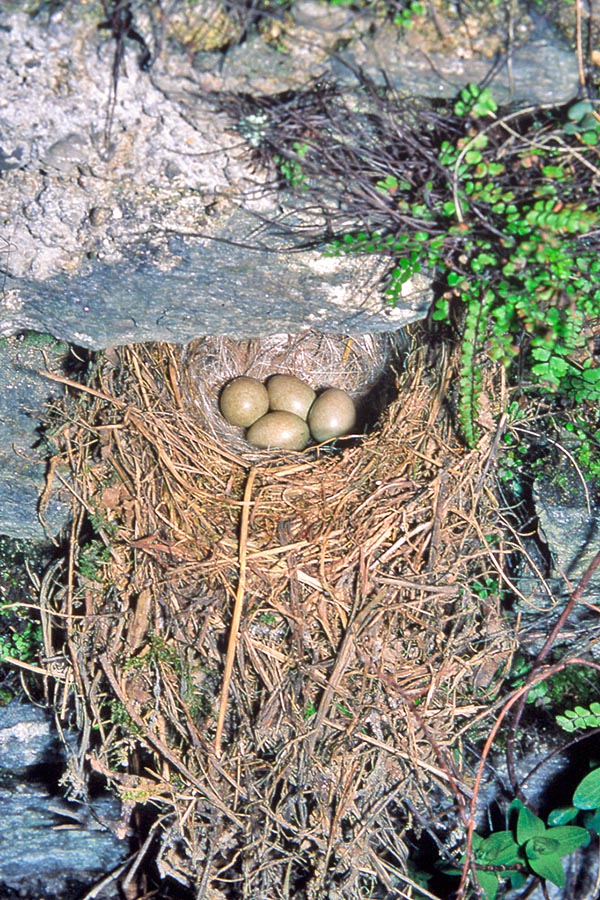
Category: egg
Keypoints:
(279, 431)
(331, 415)
(288, 394)
(243, 401)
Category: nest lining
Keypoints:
(360, 652)
(362, 365)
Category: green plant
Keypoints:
(95, 552)
(92, 557)
(404, 17)
(479, 302)
(508, 238)
(291, 167)
(587, 445)
(486, 587)
(547, 285)
(529, 847)
(584, 122)
(582, 382)
(475, 101)
(37, 340)
(409, 252)
(20, 628)
(585, 807)
(513, 455)
(580, 717)
(572, 682)
(587, 793)
(402, 12)
(23, 643)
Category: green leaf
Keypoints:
(387, 185)
(477, 101)
(488, 882)
(528, 826)
(563, 815)
(547, 866)
(476, 842)
(479, 142)
(592, 821)
(541, 353)
(442, 308)
(486, 105)
(587, 793)
(579, 110)
(499, 849)
(541, 845)
(590, 138)
(517, 879)
(569, 838)
(556, 172)
(481, 261)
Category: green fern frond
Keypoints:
(475, 328)
(580, 717)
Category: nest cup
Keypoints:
(363, 366)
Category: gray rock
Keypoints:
(540, 69)
(213, 288)
(569, 524)
(23, 456)
(46, 844)
(431, 59)
(571, 529)
(44, 851)
(147, 220)
(27, 739)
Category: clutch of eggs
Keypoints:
(286, 413)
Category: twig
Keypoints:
(76, 385)
(20, 664)
(579, 42)
(139, 856)
(510, 702)
(237, 610)
(575, 597)
(111, 878)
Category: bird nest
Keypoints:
(277, 652)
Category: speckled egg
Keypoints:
(288, 394)
(243, 401)
(332, 415)
(279, 431)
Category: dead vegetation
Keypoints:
(277, 653)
